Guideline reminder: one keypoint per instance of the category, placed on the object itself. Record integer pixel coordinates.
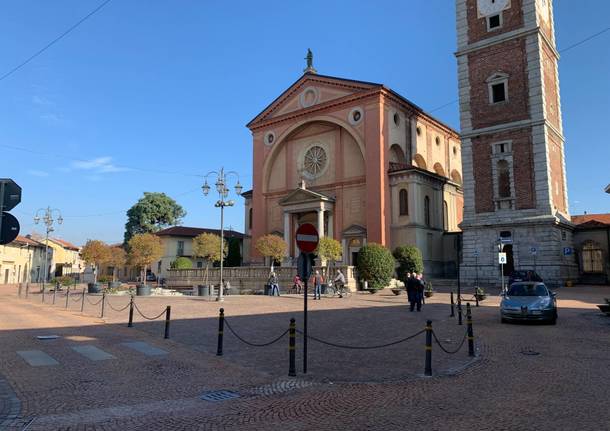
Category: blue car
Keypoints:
(529, 301)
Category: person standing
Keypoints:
(420, 286)
(297, 284)
(318, 279)
(273, 284)
(411, 290)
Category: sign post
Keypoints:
(307, 241)
(502, 262)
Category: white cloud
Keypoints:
(42, 101)
(100, 165)
(37, 173)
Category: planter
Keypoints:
(266, 289)
(203, 290)
(143, 290)
(114, 285)
(397, 291)
(372, 291)
(94, 288)
(428, 293)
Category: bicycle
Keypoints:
(341, 291)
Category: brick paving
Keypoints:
(526, 376)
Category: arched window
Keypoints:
(445, 216)
(427, 211)
(503, 173)
(403, 201)
(250, 218)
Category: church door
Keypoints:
(592, 258)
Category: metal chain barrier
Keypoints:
(77, 297)
(145, 316)
(94, 303)
(449, 352)
(275, 340)
(118, 310)
(379, 346)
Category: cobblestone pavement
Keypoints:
(525, 376)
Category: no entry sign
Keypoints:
(307, 238)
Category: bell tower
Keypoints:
(513, 162)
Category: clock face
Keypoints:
(491, 7)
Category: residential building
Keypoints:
(592, 242)
(22, 261)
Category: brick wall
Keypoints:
(550, 86)
(509, 58)
(512, 19)
(483, 181)
(557, 180)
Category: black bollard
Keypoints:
(168, 311)
(459, 308)
(470, 332)
(130, 323)
(82, 303)
(55, 293)
(452, 306)
(67, 296)
(103, 303)
(476, 299)
(428, 370)
(221, 328)
(292, 368)
(27, 290)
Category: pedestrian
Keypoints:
(297, 284)
(339, 283)
(318, 279)
(410, 283)
(274, 287)
(419, 287)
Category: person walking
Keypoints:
(410, 284)
(297, 284)
(318, 280)
(339, 283)
(419, 287)
(274, 287)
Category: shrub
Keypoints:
(64, 280)
(409, 260)
(181, 263)
(375, 265)
(104, 279)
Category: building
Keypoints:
(592, 242)
(512, 141)
(21, 261)
(360, 162)
(66, 258)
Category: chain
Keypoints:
(118, 310)
(96, 303)
(146, 317)
(444, 349)
(76, 298)
(255, 344)
(379, 346)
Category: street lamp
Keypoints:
(47, 219)
(223, 193)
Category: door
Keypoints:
(6, 272)
(510, 260)
(592, 258)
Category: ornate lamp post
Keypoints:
(223, 193)
(47, 218)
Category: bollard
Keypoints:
(476, 299)
(54, 294)
(292, 368)
(470, 332)
(67, 296)
(19, 292)
(27, 290)
(452, 306)
(82, 303)
(459, 307)
(428, 370)
(103, 303)
(221, 327)
(168, 310)
(43, 293)
(130, 323)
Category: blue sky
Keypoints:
(168, 86)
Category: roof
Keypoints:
(65, 244)
(192, 232)
(591, 220)
(27, 241)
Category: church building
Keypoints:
(360, 162)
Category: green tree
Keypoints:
(95, 252)
(409, 260)
(181, 263)
(271, 246)
(375, 265)
(153, 212)
(329, 249)
(234, 255)
(207, 246)
(144, 249)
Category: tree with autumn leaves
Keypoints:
(95, 252)
(144, 249)
(207, 246)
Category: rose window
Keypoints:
(315, 160)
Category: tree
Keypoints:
(234, 254)
(117, 258)
(409, 260)
(153, 212)
(144, 249)
(207, 246)
(181, 263)
(95, 252)
(271, 246)
(375, 265)
(329, 249)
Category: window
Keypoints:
(427, 211)
(403, 199)
(180, 250)
(497, 86)
(494, 22)
(498, 93)
(503, 173)
(199, 264)
(445, 215)
(396, 119)
(418, 130)
(250, 218)
(438, 141)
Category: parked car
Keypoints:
(529, 300)
(151, 277)
(517, 276)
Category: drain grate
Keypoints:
(216, 396)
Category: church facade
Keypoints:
(360, 162)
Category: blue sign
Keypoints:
(567, 251)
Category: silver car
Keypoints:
(528, 300)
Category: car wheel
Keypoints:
(503, 320)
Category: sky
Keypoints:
(152, 95)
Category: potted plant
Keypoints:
(479, 293)
(428, 291)
(144, 249)
(93, 253)
(207, 246)
(376, 266)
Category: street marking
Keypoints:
(308, 238)
(37, 358)
(145, 348)
(92, 352)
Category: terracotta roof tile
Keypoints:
(194, 231)
(602, 219)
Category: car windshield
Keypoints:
(527, 290)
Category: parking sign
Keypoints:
(502, 258)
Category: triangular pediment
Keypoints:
(354, 230)
(310, 90)
(299, 196)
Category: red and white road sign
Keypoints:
(307, 238)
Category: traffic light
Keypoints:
(10, 196)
